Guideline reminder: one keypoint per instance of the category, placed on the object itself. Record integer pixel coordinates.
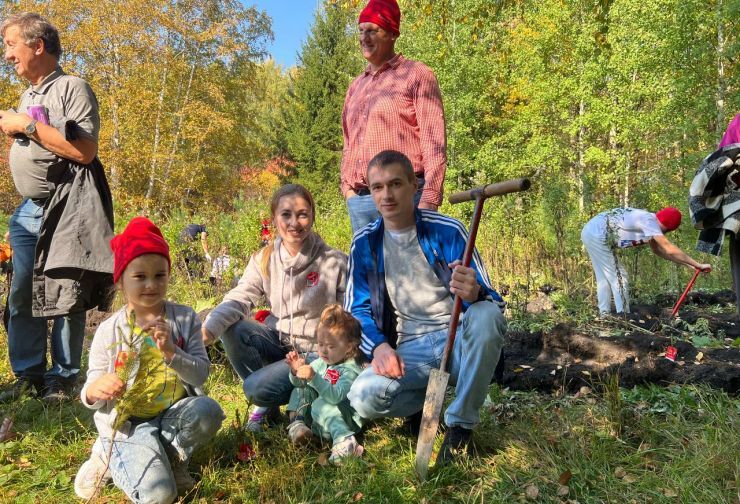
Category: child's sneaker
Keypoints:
(183, 481)
(347, 447)
(260, 417)
(299, 433)
(91, 471)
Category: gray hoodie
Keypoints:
(296, 289)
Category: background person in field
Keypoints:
(619, 228)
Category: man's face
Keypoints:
(19, 54)
(376, 43)
(393, 194)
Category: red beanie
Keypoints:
(140, 237)
(670, 217)
(384, 13)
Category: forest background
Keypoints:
(602, 103)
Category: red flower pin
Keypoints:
(332, 376)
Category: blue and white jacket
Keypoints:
(442, 240)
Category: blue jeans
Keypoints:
(474, 357)
(362, 210)
(26, 333)
(250, 345)
(270, 386)
(140, 464)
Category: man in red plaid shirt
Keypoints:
(394, 104)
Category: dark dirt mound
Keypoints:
(569, 358)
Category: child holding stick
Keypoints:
(322, 386)
(147, 362)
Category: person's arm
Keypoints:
(345, 170)
(204, 244)
(432, 139)
(662, 247)
(82, 150)
(237, 303)
(191, 363)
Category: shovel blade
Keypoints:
(433, 401)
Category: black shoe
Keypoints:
(58, 389)
(21, 387)
(455, 443)
(412, 424)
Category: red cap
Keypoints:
(670, 217)
(140, 237)
(384, 13)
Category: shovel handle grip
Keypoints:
(486, 191)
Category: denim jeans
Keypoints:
(475, 354)
(250, 345)
(270, 386)
(362, 210)
(140, 464)
(26, 333)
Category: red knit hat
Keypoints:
(384, 13)
(140, 237)
(670, 217)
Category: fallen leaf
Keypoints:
(560, 367)
(563, 491)
(630, 478)
(680, 363)
(619, 472)
(578, 361)
(357, 497)
(532, 492)
(323, 460)
(525, 366)
(668, 492)
(641, 321)
(245, 452)
(699, 356)
(518, 370)
(587, 373)
(584, 390)
(565, 477)
(553, 372)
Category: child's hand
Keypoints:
(305, 372)
(294, 361)
(162, 335)
(107, 387)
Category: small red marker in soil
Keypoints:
(671, 353)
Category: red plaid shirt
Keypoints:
(398, 107)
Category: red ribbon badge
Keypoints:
(332, 376)
(312, 279)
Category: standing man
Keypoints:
(623, 228)
(55, 108)
(404, 272)
(394, 104)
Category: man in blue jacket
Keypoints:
(404, 271)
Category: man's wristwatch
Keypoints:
(31, 128)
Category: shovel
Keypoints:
(680, 301)
(438, 378)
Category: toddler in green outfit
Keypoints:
(322, 386)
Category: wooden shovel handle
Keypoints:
(486, 191)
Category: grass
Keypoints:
(678, 441)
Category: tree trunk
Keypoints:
(580, 170)
(155, 146)
(178, 129)
(721, 83)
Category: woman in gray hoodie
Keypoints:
(297, 275)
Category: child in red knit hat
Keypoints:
(147, 364)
